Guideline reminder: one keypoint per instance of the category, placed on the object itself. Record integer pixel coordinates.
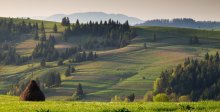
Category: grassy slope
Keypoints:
(12, 104)
(119, 71)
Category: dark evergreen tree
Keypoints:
(43, 63)
(42, 29)
(154, 37)
(217, 57)
(36, 36)
(55, 28)
(207, 56)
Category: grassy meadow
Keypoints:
(12, 104)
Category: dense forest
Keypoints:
(182, 22)
(198, 79)
(114, 34)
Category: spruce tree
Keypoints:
(36, 36)
(43, 36)
(216, 57)
(42, 29)
(43, 63)
(79, 90)
(55, 28)
(154, 37)
(207, 56)
(145, 45)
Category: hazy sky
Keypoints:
(143, 9)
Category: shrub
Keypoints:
(60, 62)
(116, 99)
(162, 97)
(148, 96)
(173, 97)
(184, 99)
(131, 97)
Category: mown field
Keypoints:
(12, 104)
(123, 71)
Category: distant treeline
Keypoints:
(198, 79)
(114, 34)
(10, 30)
(182, 22)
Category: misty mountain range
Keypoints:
(98, 16)
(93, 16)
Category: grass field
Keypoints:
(12, 104)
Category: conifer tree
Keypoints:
(55, 28)
(36, 36)
(216, 57)
(207, 56)
(43, 63)
(42, 29)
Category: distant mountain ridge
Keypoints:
(182, 22)
(94, 16)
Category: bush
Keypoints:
(162, 97)
(184, 99)
(116, 99)
(148, 96)
(131, 97)
(173, 97)
(60, 62)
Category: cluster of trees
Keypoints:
(9, 30)
(65, 21)
(10, 57)
(51, 79)
(69, 70)
(198, 79)
(114, 33)
(163, 97)
(193, 40)
(80, 57)
(129, 98)
(45, 49)
(70, 52)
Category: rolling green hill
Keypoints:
(131, 69)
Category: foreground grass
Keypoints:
(12, 104)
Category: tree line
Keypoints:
(198, 79)
(9, 30)
(114, 34)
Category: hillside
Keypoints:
(118, 71)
